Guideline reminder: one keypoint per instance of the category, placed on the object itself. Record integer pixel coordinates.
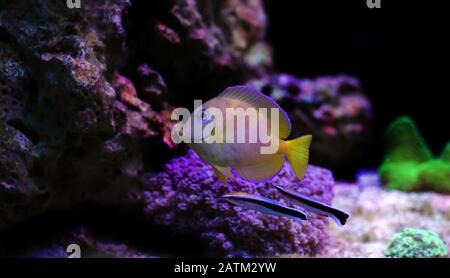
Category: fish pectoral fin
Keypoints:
(222, 173)
(219, 175)
(263, 170)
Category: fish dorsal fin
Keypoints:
(257, 99)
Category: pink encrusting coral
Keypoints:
(185, 197)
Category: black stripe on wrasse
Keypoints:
(266, 203)
(340, 215)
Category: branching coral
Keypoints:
(185, 197)
(409, 164)
(416, 243)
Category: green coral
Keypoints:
(446, 153)
(416, 243)
(409, 164)
(404, 142)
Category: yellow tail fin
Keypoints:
(297, 153)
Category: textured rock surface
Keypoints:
(72, 130)
(85, 102)
(201, 47)
(333, 109)
(377, 215)
(90, 247)
(72, 127)
(185, 197)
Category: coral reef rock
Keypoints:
(185, 198)
(72, 129)
(88, 244)
(86, 94)
(200, 47)
(409, 165)
(378, 214)
(333, 109)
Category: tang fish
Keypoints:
(339, 216)
(246, 159)
(264, 205)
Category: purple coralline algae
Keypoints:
(185, 198)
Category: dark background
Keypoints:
(400, 53)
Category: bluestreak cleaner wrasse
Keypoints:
(339, 216)
(264, 205)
